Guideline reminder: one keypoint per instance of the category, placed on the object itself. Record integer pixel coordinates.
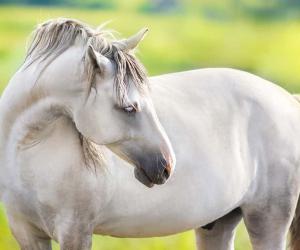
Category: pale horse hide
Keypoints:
(236, 140)
(66, 100)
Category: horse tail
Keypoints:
(295, 226)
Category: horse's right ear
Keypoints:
(97, 59)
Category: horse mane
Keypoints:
(54, 37)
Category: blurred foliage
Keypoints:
(176, 41)
(69, 3)
(258, 36)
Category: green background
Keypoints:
(261, 38)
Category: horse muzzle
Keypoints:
(151, 166)
(152, 169)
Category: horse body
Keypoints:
(55, 97)
(118, 205)
(235, 137)
(224, 139)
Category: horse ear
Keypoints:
(133, 41)
(97, 59)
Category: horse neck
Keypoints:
(36, 123)
(27, 116)
(32, 84)
(13, 102)
(29, 108)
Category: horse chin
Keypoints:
(142, 177)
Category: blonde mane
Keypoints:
(54, 37)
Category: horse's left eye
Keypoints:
(129, 109)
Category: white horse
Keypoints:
(235, 136)
(66, 99)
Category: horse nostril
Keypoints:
(166, 173)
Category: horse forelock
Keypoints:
(128, 67)
(54, 37)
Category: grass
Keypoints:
(175, 42)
